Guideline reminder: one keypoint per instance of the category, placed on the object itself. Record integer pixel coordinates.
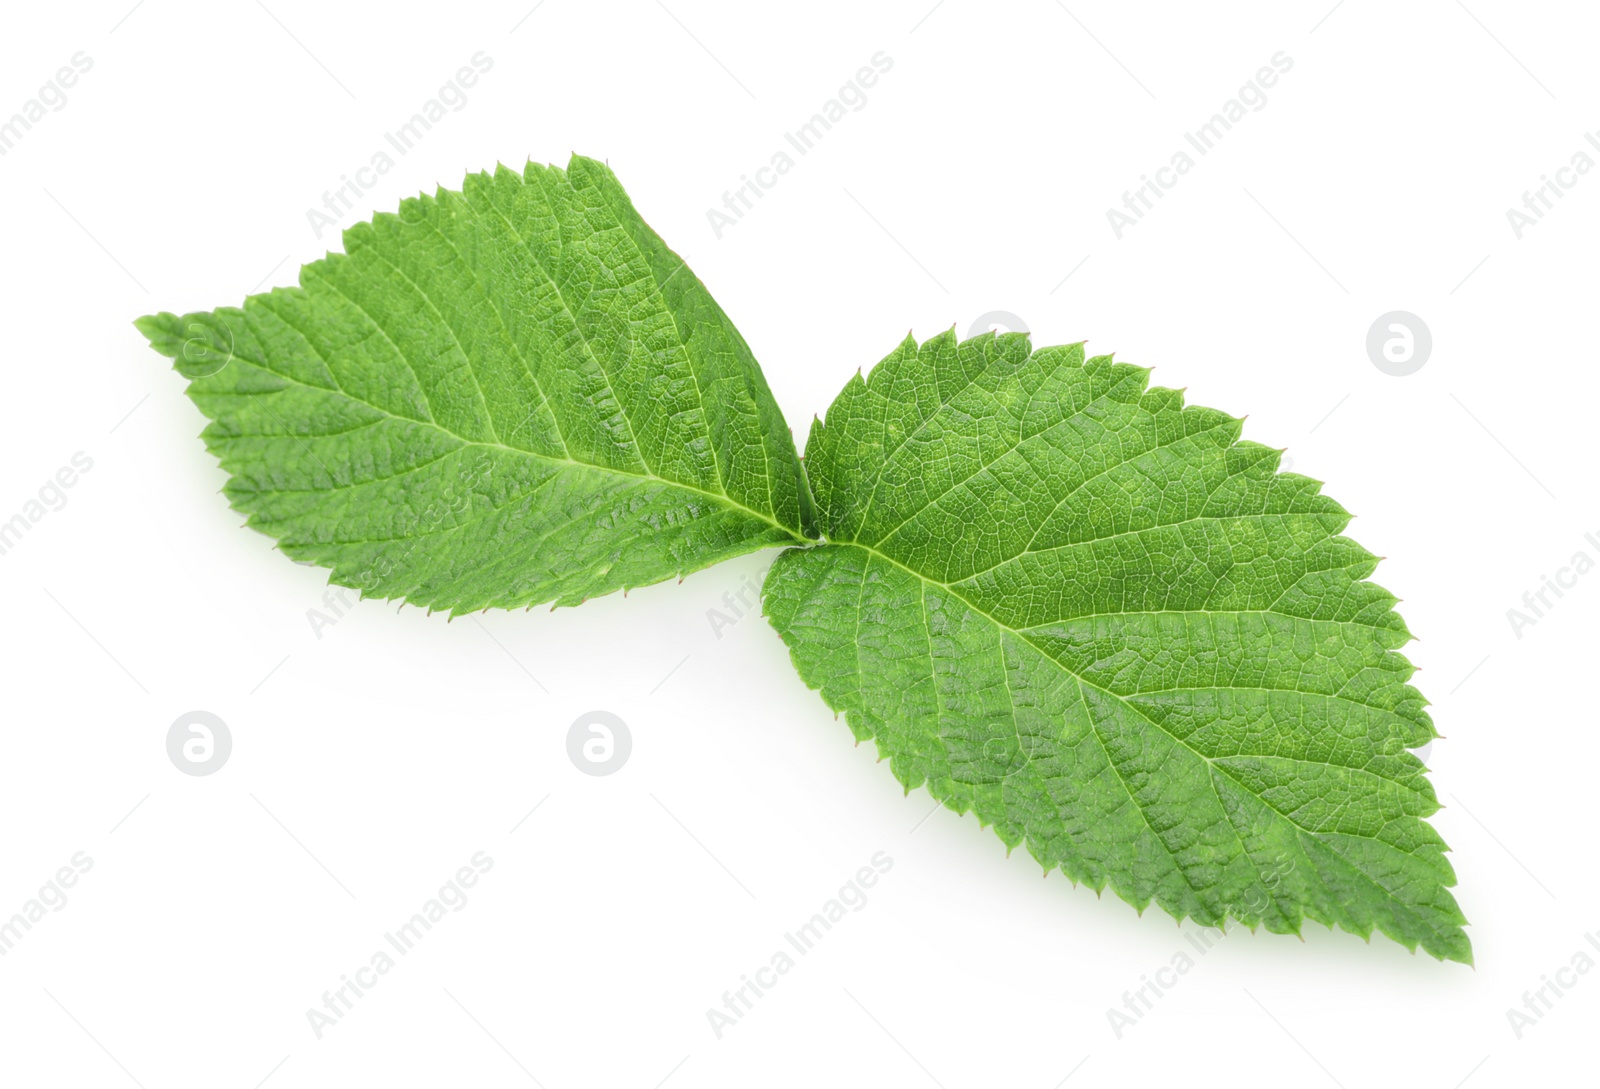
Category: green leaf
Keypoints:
(1092, 616)
(499, 397)
(1060, 599)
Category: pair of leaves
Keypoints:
(1060, 599)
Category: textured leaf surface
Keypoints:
(1092, 616)
(509, 395)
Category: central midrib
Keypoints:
(648, 475)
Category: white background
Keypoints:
(371, 762)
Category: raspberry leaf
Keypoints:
(1060, 599)
(1089, 614)
(502, 396)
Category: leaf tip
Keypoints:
(164, 331)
